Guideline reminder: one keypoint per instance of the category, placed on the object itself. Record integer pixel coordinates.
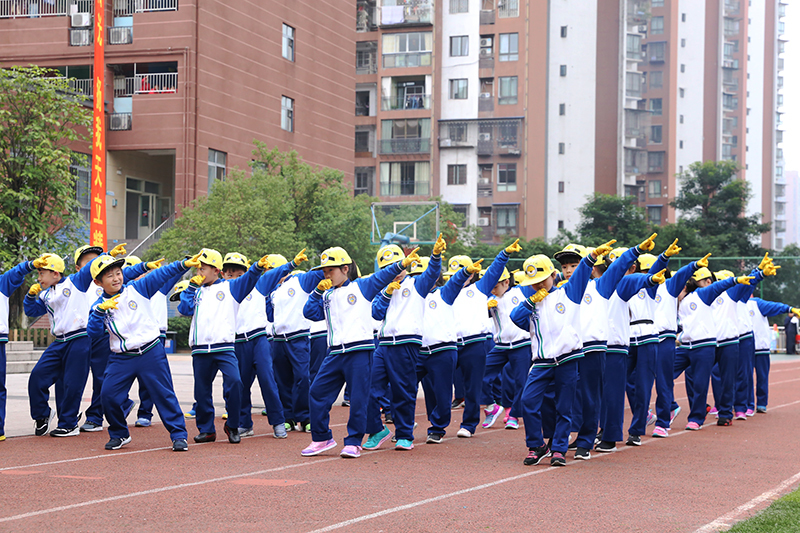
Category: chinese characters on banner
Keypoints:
(97, 225)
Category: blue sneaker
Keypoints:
(129, 406)
(404, 444)
(143, 422)
(374, 441)
(191, 413)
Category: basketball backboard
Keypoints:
(396, 221)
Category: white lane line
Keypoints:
(724, 522)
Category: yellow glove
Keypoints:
(771, 270)
(197, 280)
(796, 311)
(193, 262)
(34, 290)
(109, 303)
(744, 280)
(538, 296)
(300, 257)
(440, 245)
(649, 243)
(603, 249)
(704, 261)
(513, 247)
(324, 285)
(152, 265)
(764, 262)
(393, 286)
(263, 262)
(39, 262)
(673, 249)
(118, 250)
(410, 258)
(475, 267)
(491, 304)
(659, 277)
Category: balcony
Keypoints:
(405, 146)
(120, 121)
(638, 12)
(366, 17)
(166, 82)
(120, 35)
(126, 8)
(80, 86)
(485, 188)
(732, 64)
(10, 9)
(405, 188)
(80, 37)
(486, 62)
(367, 57)
(487, 16)
(396, 13)
(655, 168)
(409, 101)
(407, 60)
(635, 161)
(486, 102)
(731, 8)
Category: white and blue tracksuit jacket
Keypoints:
(65, 302)
(9, 282)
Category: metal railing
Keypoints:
(82, 86)
(411, 101)
(126, 8)
(120, 121)
(80, 37)
(166, 82)
(408, 59)
(487, 16)
(416, 12)
(366, 19)
(367, 64)
(486, 103)
(151, 239)
(43, 8)
(405, 188)
(120, 35)
(405, 146)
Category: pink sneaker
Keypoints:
(492, 415)
(316, 448)
(692, 426)
(651, 418)
(351, 452)
(741, 415)
(512, 423)
(505, 418)
(660, 432)
(714, 411)
(750, 412)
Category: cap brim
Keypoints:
(175, 296)
(90, 250)
(536, 279)
(567, 257)
(120, 262)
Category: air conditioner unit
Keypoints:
(643, 28)
(445, 143)
(81, 20)
(484, 181)
(486, 95)
(486, 42)
(484, 136)
(486, 52)
(80, 38)
(120, 122)
(483, 221)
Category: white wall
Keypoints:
(755, 103)
(577, 128)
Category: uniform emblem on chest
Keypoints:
(249, 297)
(220, 295)
(514, 300)
(132, 305)
(470, 293)
(641, 294)
(587, 298)
(432, 304)
(290, 292)
(66, 292)
(752, 313)
(719, 300)
(99, 291)
(658, 298)
(560, 309)
(693, 306)
(406, 293)
(351, 299)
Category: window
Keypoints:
(459, 46)
(506, 177)
(216, 166)
(657, 3)
(406, 129)
(509, 46)
(405, 178)
(456, 174)
(407, 49)
(562, 148)
(364, 179)
(656, 52)
(681, 92)
(654, 214)
(657, 25)
(655, 134)
(563, 31)
(458, 89)
(457, 132)
(506, 220)
(287, 113)
(683, 67)
(560, 224)
(362, 103)
(655, 162)
(362, 142)
(463, 211)
(683, 43)
(563, 70)
(655, 106)
(562, 109)
(508, 90)
(288, 43)
(654, 189)
(459, 6)
(83, 187)
(560, 186)
(680, 144)
(656, 79)
(633, 46)
(508, 8)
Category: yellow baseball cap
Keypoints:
(276, 260)
(103, 263)
(132, 260)
(456, 263)
(211, 257)
(54, 263)
(504, 276)
(536, 269)
(614, 254)
(646, 261)
(572, 253)
(179, 288)
(701, 274)
(336, 256)
(235, 259)
(389, 255)
(723, 274)
(519, 275)
(86, 249)
(418, 267)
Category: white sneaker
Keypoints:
(464, 433)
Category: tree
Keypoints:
(712, 202)
(605, 217)
(39, 119)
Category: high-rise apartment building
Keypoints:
(190, 85)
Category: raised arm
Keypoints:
(309, 280)
(493, 273)
(742, 293)
(425, 282)
(270, 279)
(371, 286)
(768, 308)
(33, 305)
(630, 285)
(676, 283)
(14, 278)
(96, 326)
(314, 309)
(710, 293)
(454, 285)
(187, 302)
(577, 283)
(607, 283)
(158, 279)
(170, 283)
(82, 279)
(244, 285)
(132, 272)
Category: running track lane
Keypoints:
(678, 484)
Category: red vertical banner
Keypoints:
(97, 225)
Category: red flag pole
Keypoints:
(97, 225)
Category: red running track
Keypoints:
(682, 483)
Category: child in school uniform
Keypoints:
(439, 351)
(400, 308)
(344, 301)
(213, 303)
(553, 317)
(291, 345)
(473, 328)
(125, 312)
(254, 348)
(63, 298)
(9, 282)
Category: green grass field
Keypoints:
(783, 516)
